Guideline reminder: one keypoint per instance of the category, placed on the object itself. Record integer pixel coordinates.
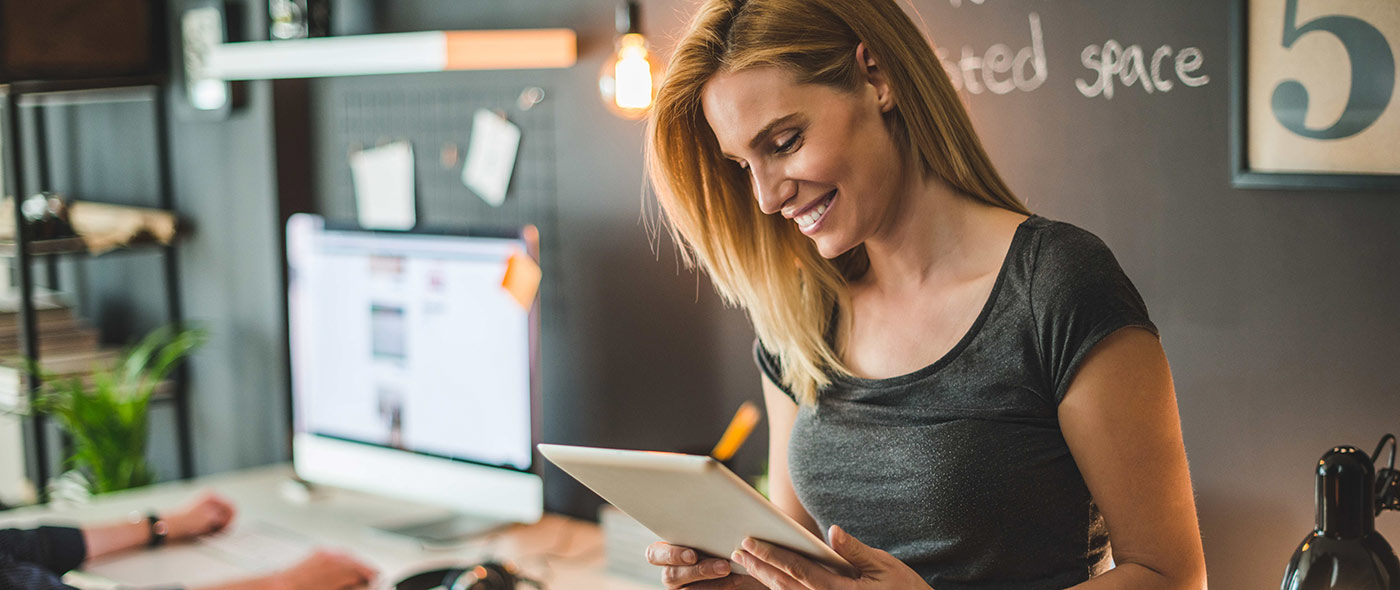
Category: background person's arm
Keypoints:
(115, 537)
(1119, 418)
(206, 514)
(322, 570)
(35, 558)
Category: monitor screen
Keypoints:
(409, 341)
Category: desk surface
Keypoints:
(564, 553)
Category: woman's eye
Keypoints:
(788, 145)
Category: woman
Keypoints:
(35, 559)
(974, 392)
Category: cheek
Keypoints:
(880, 165)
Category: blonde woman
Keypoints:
(960, 393)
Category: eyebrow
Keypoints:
(768, 130)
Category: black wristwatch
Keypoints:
(159, 529)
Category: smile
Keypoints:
(809, 219)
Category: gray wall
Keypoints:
(231, 278)
(1275, 306)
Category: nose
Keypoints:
(772, 190)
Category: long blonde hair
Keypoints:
(761, 262)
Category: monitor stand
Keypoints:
(444, 530)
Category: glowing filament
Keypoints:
(632, 74)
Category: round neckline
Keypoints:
(967, 338)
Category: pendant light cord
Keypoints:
(1387, 478)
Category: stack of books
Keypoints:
(68, 345)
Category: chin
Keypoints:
(830, 247)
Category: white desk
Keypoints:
(564, 553)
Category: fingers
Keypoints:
(676, 576)
(343, 571)
(863, 557)
(729, 582)
(770, 576)
(212, 511)
(682, 566)
(220, 502)
(217, 503)
(782, 569)
(365, 571)
(663, 553)
(225, 514)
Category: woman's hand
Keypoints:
(209, 513)
(780, 569)
(682, 567)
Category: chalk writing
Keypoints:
(1131, 68)
(999, 70)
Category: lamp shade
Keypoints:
(1344, 551)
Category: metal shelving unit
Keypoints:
(24, 252)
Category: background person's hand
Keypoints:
(780, 569)
(683, 567)
(324, 570)
(208, 513)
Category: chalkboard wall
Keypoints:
(1277, 308)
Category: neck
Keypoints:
(924, 238)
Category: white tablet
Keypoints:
(689, 500)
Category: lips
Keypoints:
(809, 217)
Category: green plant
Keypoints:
(105, 411)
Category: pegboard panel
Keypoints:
(434, 113)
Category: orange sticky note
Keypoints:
(522, 279)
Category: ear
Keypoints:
(875, 76)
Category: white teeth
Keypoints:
(806, 221)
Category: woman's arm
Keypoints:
(782, 412)
(1119, 418)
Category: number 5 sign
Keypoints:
(1315, 102)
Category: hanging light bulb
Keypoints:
(629, 78)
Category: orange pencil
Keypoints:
(740, 427)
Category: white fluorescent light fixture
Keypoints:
(392, 53)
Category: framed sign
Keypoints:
(1315, 102)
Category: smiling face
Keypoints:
(819, 156)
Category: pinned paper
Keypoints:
(491, 156)
(522, 279)
(383, 178)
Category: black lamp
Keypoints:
(1345, 552)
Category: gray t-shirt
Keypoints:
(959, 469)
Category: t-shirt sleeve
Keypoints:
(1079, 295)
(768, 364)
(55, 550)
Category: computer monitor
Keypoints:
(413, 372)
